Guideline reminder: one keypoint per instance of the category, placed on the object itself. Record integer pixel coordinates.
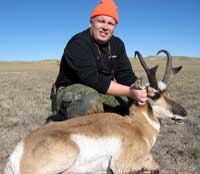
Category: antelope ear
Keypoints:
(154, 69)
(176, 70)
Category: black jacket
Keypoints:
(88, 63)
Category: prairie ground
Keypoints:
(25, 105)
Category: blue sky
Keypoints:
(40, 29)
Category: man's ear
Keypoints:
(90, 24)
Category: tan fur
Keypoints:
(51, 145)
(56, 148)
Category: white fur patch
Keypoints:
(162, 112)
(13, 164)
(151, 122)
(95, 153)
(162, 86)
(154, 140)
(148, 143)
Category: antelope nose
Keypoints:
(179, 110)
(184, 112)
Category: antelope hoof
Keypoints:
(151, 171)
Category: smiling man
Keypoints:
(95, 72)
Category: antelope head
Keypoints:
(162, 105)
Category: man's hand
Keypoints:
(138, 92)
(135, 91)
(140, 95)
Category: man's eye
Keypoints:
(110, 23)
(101, 21)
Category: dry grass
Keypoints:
(25, 104)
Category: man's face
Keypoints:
(102, 28)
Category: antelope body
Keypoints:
(97, 143)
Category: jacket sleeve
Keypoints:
(124, 71)
(80, 58)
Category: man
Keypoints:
(95, 63)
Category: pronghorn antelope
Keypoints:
(102, 142)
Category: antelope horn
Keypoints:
(151, 73)
(169, 69)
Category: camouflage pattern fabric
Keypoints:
(78, 99)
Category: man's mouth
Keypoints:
(103, 34)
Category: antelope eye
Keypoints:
(156, 96)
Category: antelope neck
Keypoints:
(153, 123)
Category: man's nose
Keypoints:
(105, 26)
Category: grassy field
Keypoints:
(25, 104)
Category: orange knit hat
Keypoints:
(106, 7)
